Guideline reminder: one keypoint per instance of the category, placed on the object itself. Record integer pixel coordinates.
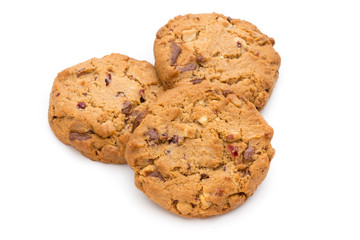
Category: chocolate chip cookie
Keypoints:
(200, 151)
(211, 47)
(95, 105)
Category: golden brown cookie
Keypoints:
(195, 47)
(200, 151)
(95, 105)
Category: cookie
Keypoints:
(200, 151)
(95, 105)
(211, 47)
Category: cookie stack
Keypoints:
(190, 127)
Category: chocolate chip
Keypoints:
(167, 151)
(175, 202)
(78, 136)
(80, 72)
(229, 19)
(230, 136)
(219, 192)
(156, 174)
(203, 176)
(108, 79)
(196, 81)
(248, 153)
(175, 52)
(58, 94)
(238, 44)
(224, 168)
(127, 108)
(137, 120)
(227, 92)
(188, 67)
(134, 113)
(200, 58)
(84, 94)
(141, 92)
(107, 82)
(81, 105)
(152, 134)
(174, 139)
(233, 150)
(188, 166)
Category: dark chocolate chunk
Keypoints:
(200, 58)
(81, 105)
(175, 52)
(230, 136)
(248, 153)
(58, 94)
(134, 113)
(227, 92)
(203, 176)
(108, 79)
(174, 139)
(78, 136)
(155, 174)
(196, 81)
(152, 134)
(188, 67)
(137, 120)
(229, 19)
(238, 44)
(127, 108)
(80, 72)
(141, 92)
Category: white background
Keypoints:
(50, 191)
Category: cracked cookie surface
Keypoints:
(212, 47)
(200, 151)
(95, 105)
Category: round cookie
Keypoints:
(95, 105)
(195, 47)
(200, 151)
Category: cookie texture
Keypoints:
(200, 151)
(211, 47)
(95, 105)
